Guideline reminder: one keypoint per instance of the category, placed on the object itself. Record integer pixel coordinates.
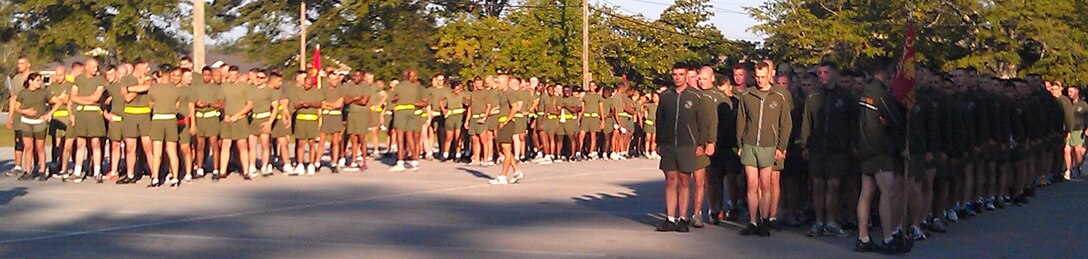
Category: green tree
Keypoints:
(52, 30)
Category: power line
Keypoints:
(711, 8)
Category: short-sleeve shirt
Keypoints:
(330, 93)
(591, 101)
(186, 97)
(209, 93)
(17, 84)
(36, 99)
(570, 102)
(408, 93)
(126, 81)
(312, 96)
(56, 90)
(479, 102)
(87, 86)
(526, 99)
(506, 101)
(164, 98)
(436, 96)
(356, 90)
(234, 97)
(454, 100)
(262, 98)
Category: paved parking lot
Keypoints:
(592, 209)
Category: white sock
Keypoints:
(864, 239)
(672, 219)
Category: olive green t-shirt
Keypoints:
(329, 93)
(56, 90)
(127, 81)
(209, 93)
(454, 101)
(492, 97)
(570, 102)
(185, 98)
(234, 97)
(356, 90)
(17, 84)
(262, 98)
(437, 95)
(592, 103)
(479, 102)
(526, 99)
(164, 98)
(312, 96)
(408, 93)
(36, 99)
(87, 86)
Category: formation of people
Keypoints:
(804, 144)
(175, 124)
(817, 144)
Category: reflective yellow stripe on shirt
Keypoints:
(263, 115)
(137, 109)
(455, 112)
(306, 117)
(404, 107)
(206, 115)
(92, 108)
(164, 116)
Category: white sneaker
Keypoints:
(311, 170)
(199, 172)
(415, 165)
(399, 167)
(300, 169)
(517, 177)
(501, 180)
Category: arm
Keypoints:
(806, 121)
(741, 121)
(241, 113)
(90, 100)
(786, 124)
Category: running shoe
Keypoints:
(311, 170)
(750, 229)
(517, 177)
(865, 247)
(937, 225)
(817, 229)
(833, 229)
(762, 229)
(666, 226)
(950, 214)
(916, 233)
(731, 215)
(501, 180)
(697, 221)
(682, 225)
(773, 225)
(154, 184)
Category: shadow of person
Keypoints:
(8, 195)
(635, 205)
(475, 173)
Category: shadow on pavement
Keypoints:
(10, 194)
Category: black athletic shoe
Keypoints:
(750, 229)
(731, 215)
(892, 248)
(155, 184)
(27, 176)
(715, 218)
(215, 177)
(682, 225)
(773, 225)
(125, 180)
(999, 204)
(43, 177)
(666, 226)
(763, 229)
(866, 247)
(98, 178)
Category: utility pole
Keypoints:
(198, 34)
(586, 77)
(302, 36)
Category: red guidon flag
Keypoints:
(903, 82)
(315, 71)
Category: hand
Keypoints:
(779, 154)
(47, 117)
(9, 124)
(266, 127)
(481, 121)
(602, 125)
(287, 121)
(192, 130)
(709, 150)
(71, 120)
(740, 151)
(929, 157)
(699, 151)
(465, 126)
(503, 124)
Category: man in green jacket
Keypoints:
(679, 145)
(763, 129)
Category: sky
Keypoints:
(729, 15)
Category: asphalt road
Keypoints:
(592, 209)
